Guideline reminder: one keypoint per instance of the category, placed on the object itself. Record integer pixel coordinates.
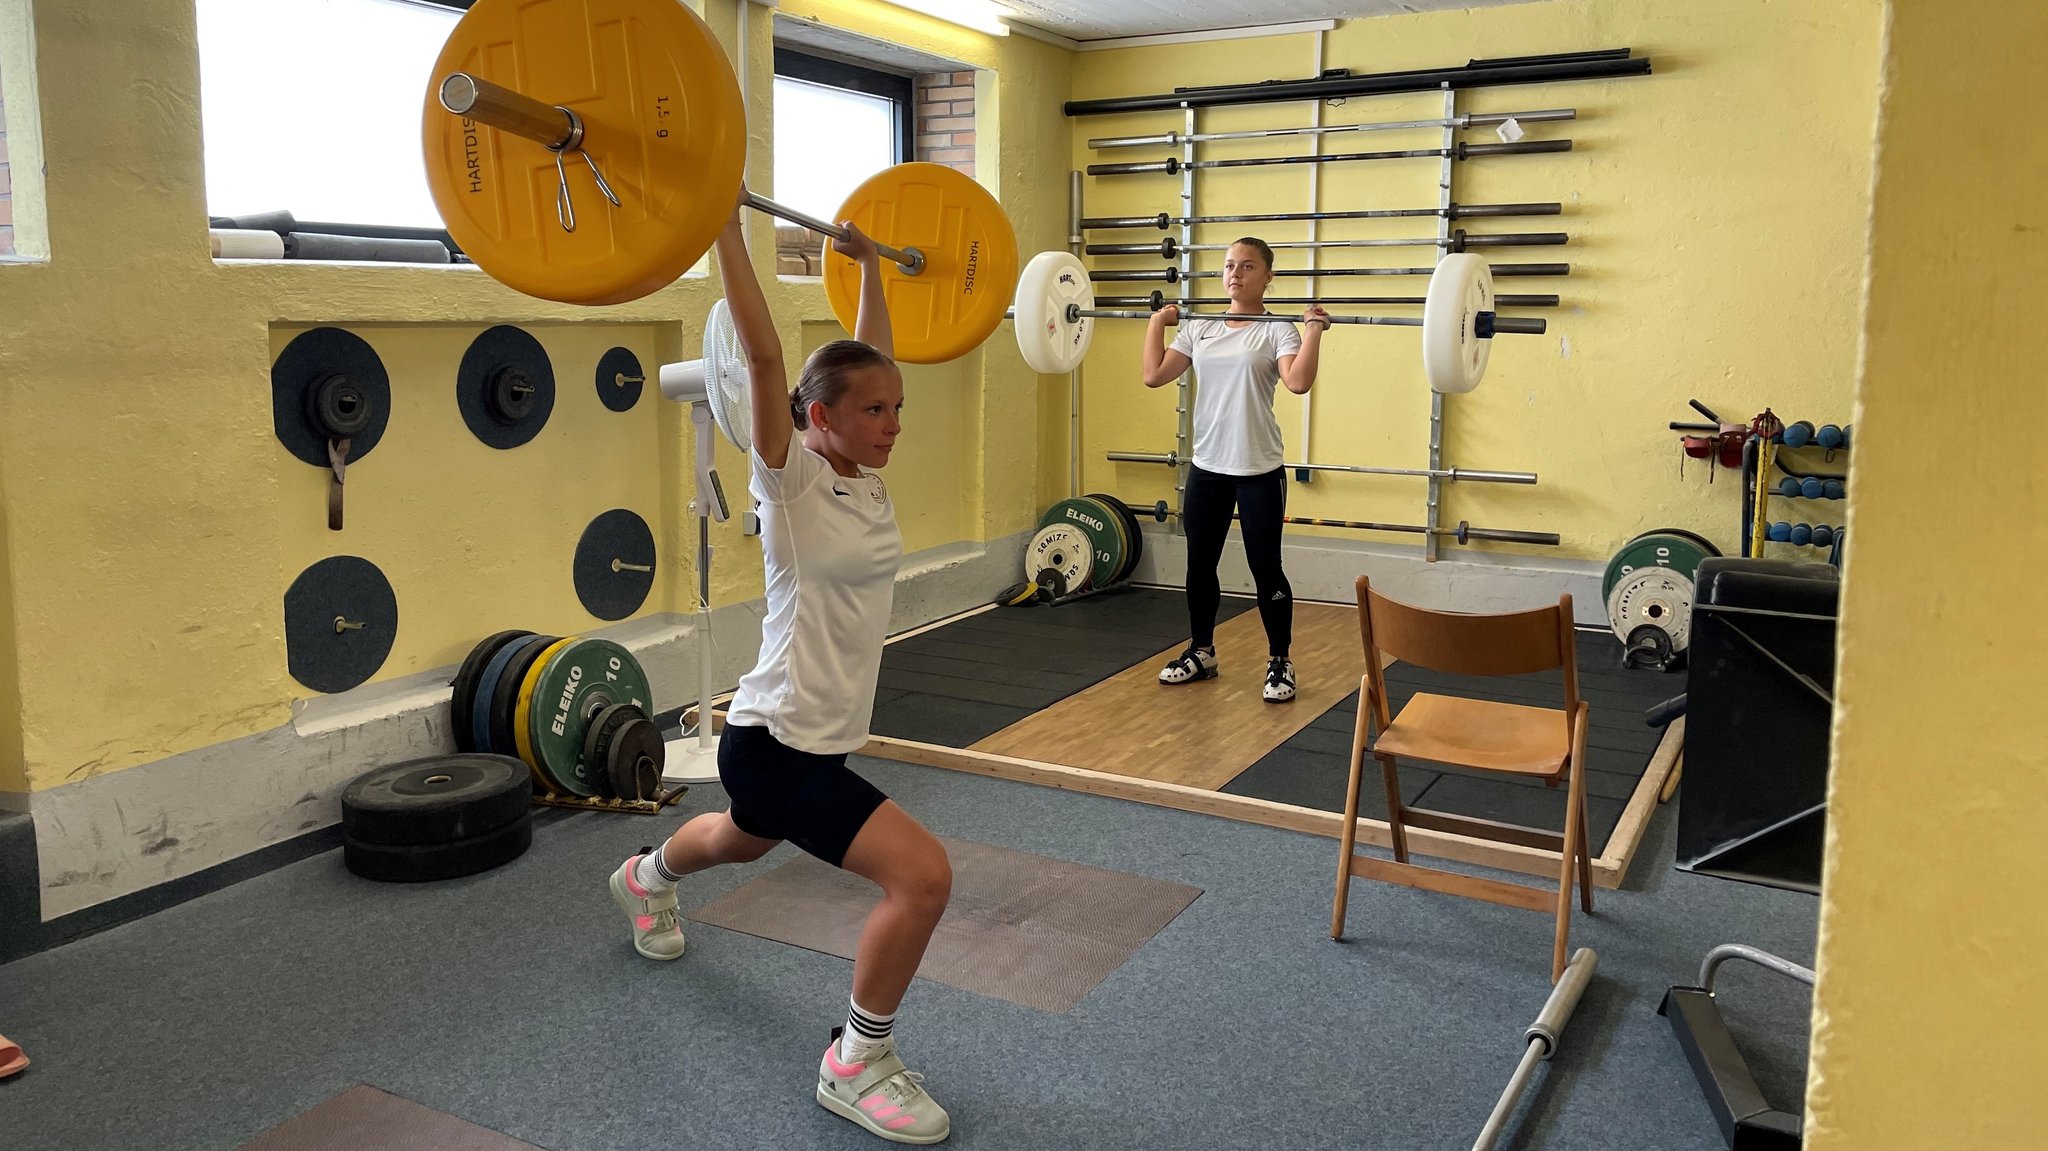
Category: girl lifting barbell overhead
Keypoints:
(1236, 463)
(831, 547)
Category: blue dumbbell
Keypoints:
(1788, 487)
(1829, 436)
(1780, 532)
(1834, 489)
(1802, 534)
(1823, 535)
(1798, 435)
(1811, 487)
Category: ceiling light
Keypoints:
(979, 15)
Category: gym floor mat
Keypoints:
(364, 1117)
(1022, 928)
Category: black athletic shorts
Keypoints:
(778, 792)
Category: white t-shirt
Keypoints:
(1236, 369)
(832, 551)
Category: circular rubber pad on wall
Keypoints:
(607, 566)
(310, 361)
(340, 620)
(505, 387)
(620, 380)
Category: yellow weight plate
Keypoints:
(970, 253)
(522, 716)
(662, 121)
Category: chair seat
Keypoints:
(1478, 733)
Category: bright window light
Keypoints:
(331, 134)
(828, 140)
(979, 15)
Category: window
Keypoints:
(327, 135)
(836, 124)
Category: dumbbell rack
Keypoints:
(1437, 471)
(1760, 459)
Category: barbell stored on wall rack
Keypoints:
(659, 123)
(1458, 241)
(1175, 275)
(1055, 314)
(1472, 120)
(1173, 459)
(1158, 300)
(1460, 151)
(1454, 212)
(1463, 533)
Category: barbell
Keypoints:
(641, 93)
(1056, 310)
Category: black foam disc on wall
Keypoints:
(620, 380)
(312, 356)
(498, 354)
(608, 588)
(323, 648)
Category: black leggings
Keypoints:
(1259, 501)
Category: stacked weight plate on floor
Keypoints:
(1648, 590)
(575, 711)
(436, 818)
(1090, 541)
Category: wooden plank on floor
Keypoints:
(1195, 734)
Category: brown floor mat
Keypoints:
(1022, 928)
(364, 1118)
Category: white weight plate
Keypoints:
(1453, 354)
(1051, 284)
(1656, 596)
(1064, 549)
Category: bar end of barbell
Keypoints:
(458, 93)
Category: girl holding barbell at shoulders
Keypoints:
(831, 547)
(1236, 464)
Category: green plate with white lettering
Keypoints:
(579, 681)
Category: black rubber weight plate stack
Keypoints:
(436, 818)
(1136, 550)
(462, 703)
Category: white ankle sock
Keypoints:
(652, 871)
(867, 1034)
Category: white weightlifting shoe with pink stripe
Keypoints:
(882, 1096)
(657, 929)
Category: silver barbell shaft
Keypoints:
(1510, 325)
(560, 130)
(1459, 241)
(1455, 212)
(1172, 459)
(1174, 139)
(1542, 1038)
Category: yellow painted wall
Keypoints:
(1715, 210)
(1927, 1027)
(152, 522)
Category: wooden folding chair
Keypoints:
(1472, 733)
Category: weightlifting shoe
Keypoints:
(657, 929)
(882, 1096)
(1279, 680)
(1193, 664)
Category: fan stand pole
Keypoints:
(688, 760)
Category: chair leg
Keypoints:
(1349, 839)
(1585, 852)
(1573, 840)
(1397, 832)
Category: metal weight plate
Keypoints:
(662, 121)
(1065, 549)
(1653, 596)
(478, 718)
(504, 698)
(1665, 547)
(575, 684)
(462, 696)
(505, 386)
(597, 736)
(634, 758)
(316, 357)
(1048, 288)
(970, 253)
(619, 379)
(522, 717)
(1136, 534)
(1104, 535)
(1453, 354)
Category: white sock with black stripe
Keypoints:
(867, 1034)
(652, 872)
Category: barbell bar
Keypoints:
(1455, 212)
(1463, 533)
(1158, 300)
(1173, 459)
(1471, 120)
(1461, 151)
(1458, 241)
(512, 103)
(1175, 275)
(1489, 324)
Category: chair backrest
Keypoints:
(1507, 643)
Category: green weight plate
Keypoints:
(1682, 552)
(1094, 522)
(582, 679)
